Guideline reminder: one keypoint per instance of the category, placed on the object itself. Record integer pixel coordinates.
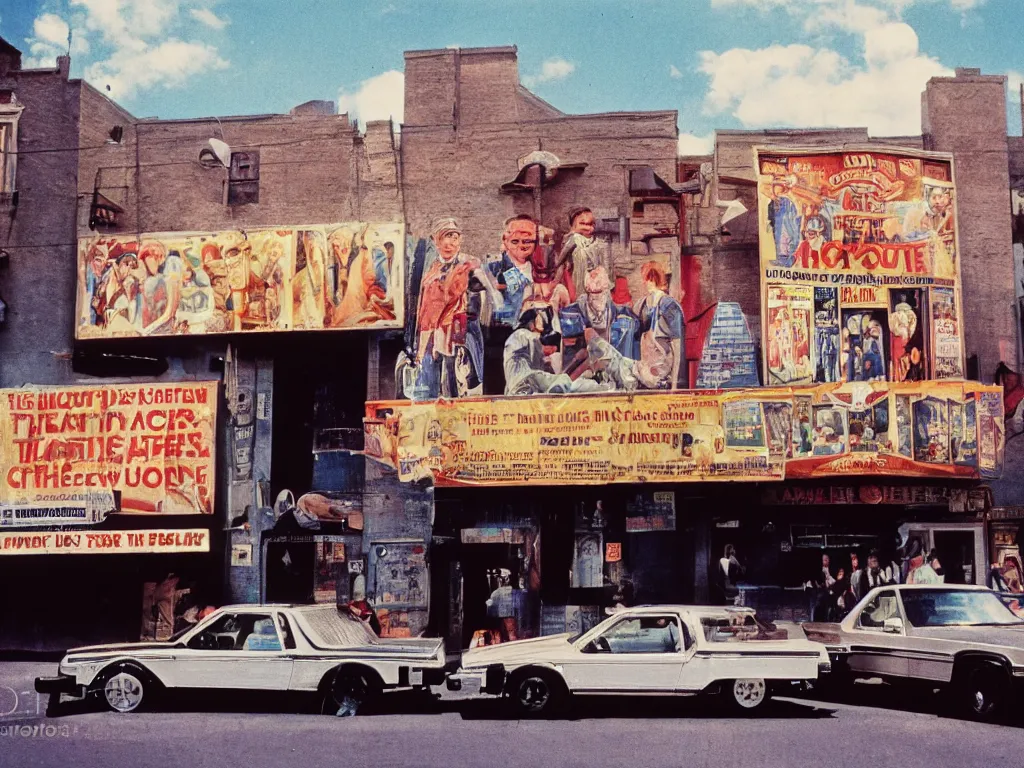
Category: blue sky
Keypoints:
(721, 63)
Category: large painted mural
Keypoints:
(337, 276)
(859, 266)
(914, 429)
(566, 320)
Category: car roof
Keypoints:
(699, 610)
(943, 587)
(254, 607)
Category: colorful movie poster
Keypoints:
(864, 341)
(150, 446)
(858, 428)
(869, 428)
(826, 335)
(334, 276)
(778, 418)
(803, 428)
(878, 227)
(931, 430)
(907, 335)
(948, 345)
(904, 439)
(788, 334)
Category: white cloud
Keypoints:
(801, 85)
(845, 15)
(51, 28)
(169, 64)
(691, 144)
(550, 71)
(207, 17)
(130, 45)
(377, 98)
(49, 40)
(673, 72)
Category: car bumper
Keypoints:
(490, 680)
(60, 684)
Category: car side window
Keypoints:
(882, 607)
(221, 635)
(262, 636)
(286, 631)
(643, 634)
(239, 632)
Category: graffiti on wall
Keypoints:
(873, 235)
(63, 450)
(567, 322)
(338, 276)
(940, 429)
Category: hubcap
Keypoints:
(534, 694)
(123, 692)
(979, 701)
(749, 693)
(351, 687)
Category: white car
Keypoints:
(662, 649)
(310, 648)
(962, 638)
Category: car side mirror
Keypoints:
(893, 625)
(591, 647)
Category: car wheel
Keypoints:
(981, 692)
(124, 688)
(536, 693)
(747, 695)
(351, 691)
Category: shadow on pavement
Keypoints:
(424, 703)
(907, 697)
(647, 707)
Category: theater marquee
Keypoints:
(926, 429)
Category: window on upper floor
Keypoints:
(244, 178)
(10, 112)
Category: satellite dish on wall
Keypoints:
(215, 153)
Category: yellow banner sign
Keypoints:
(70, 447)
(332, 276)
(105, 542)
(928, 429)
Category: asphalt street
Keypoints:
(873, 726)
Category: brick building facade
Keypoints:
(476, 145)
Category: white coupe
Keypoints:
(664, 649)
(308, 648)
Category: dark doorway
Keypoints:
(956, 554)
(290, 567)
(482, 573)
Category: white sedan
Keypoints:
(309, 648)
(678, 650)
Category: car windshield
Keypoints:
(180, 633)
(956, 608)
